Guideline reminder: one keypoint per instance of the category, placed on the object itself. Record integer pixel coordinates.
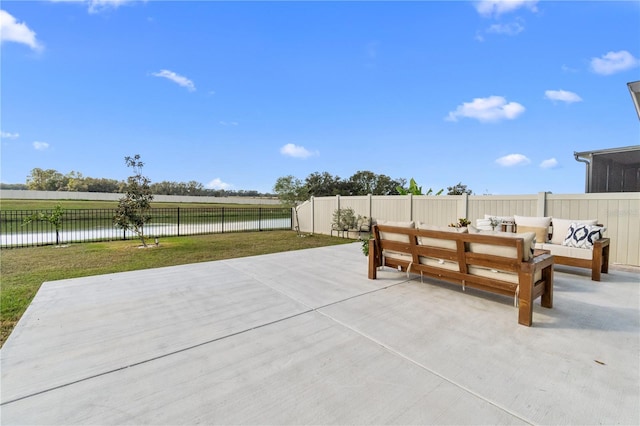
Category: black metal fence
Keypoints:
(83, 225)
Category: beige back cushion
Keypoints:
(438, 242)
(534, 221)
(540, 231)
(528, 237)
(393, 236)
(561, 227)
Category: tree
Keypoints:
(134, 208)
(366, 182)
(291, 192)
(104, 185)
(458, 189)
(322, 185)
(46, 180)
(387, 186)
(54, 218)
(76, 182)
(414, 189)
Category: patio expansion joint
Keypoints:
(155, 358)
(418, 364)
(197, 345)
(389, 348)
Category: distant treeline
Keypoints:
(316, 184)
(52, 180)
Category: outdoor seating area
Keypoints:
(502, 263)
(304, 337)
(573, 242)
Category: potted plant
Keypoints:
(343, 219)
(463, 222)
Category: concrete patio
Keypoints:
(305, 338)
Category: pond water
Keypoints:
(151, 231)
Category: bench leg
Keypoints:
(373, 261)
(596, 264)
(605, 259)
(599, 261)
(547, 297)
(525, 301)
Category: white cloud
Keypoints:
(96, 6)
(496, 8)
(217, 183)
(567, 68)
(550, 163)
(40, 146)
(511, 29)
(513, 160)
(17, 32)
(229, 123)
(562, 95)
(176, 78)
(296, 151)
(493, 108)
(7, 135)
(613, 62)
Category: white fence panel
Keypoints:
(437, 210)
(324, 207)
(619, 212)
(391, 207)
(508, 205)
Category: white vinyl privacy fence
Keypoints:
(619, 212)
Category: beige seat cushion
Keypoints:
(439, 263)
(560, 250)
(439, 243)
(392, 236)
(390, 254)
(495, 274)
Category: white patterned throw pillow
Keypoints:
(581, 235)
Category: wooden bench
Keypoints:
(596, 258)
(497, 264)
(598, 263)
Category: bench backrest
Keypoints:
(499, 251)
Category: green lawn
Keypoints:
(23, 270)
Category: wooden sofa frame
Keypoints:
(526, 290)
(599, 262)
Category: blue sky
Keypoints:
(497, 95)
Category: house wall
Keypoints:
(610, 176)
